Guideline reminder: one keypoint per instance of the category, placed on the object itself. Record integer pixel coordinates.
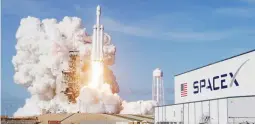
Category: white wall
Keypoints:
(159, 114)
(223, 111)
(214, 111)
(245, 78)
(186, 113)
(218, 110)
(174, 113)
(191, 113)
(198, 111)
(205, 109)
(241, 109)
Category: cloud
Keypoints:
(207, 35)
(248, 1)
(184, 35)
(238, 11)
(176, 26)
(113, 25)
(19, 7)
(29, 8)
(179, 26)
(87, 10)
(197, 36)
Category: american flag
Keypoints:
(184, 89)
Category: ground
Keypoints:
(78, 118)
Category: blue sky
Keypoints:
(174, 35)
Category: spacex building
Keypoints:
(219, 93)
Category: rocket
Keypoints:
(97, 40)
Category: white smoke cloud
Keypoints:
(139, 107)
(42, 53)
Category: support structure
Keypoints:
(71, 77)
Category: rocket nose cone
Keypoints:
(98, 7)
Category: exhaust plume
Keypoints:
(42, 53)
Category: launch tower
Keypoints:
(71, 77)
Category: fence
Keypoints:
(218, 111)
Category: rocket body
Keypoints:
(97, 41)
(102, 41)
(97, 65)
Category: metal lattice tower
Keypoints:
(158, 87)
(71, 76)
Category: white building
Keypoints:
(218, 93)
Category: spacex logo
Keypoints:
(217, 82)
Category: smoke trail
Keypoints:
(42, 53)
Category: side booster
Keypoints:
(98, 37)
